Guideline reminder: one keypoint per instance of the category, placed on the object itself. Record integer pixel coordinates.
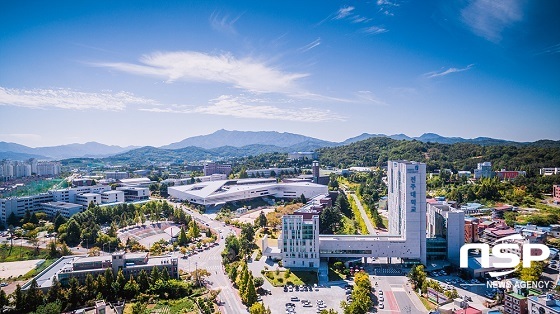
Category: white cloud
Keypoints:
(368, 97)
(68, 99)
(254, 108)
(554, 49)
(488, 18)
(311, 45)
(448, 71)
(247, 74)
(374, 30)
(387, 3)
(21, 136)
(223, 23)
(344, 12)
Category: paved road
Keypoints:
(369, 225)
(398, 297)
(211, 260)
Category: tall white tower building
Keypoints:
(407, 202)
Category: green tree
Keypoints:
(3, 300)
(182, 239)
(131, 288)
(243, 173)
(258, 282)
(119, 284)
(258, 308)
(194, 230)
(58, 221)
(12, 219)
(26, 217)
(73, 233)
(90, 287)
(329, 220)
(302, 198)
(143, 281)
(49, 308)
(165, 274)
(417, 276)
(261, 220)
(343, 204)
(452, 294)
(33, 297)
(250, 291)
(154, 276)
(55, 291)
(139, 308)
(74, 293)
(53, 251)
(19, 299)
(108, 279)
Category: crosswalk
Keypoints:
(388, 271)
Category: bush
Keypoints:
(280, 280)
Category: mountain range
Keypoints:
(15, 151)
(225, 144)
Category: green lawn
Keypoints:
(295, 278)
(427, 304)
(335, 276)
(32, 273)
(184, 305)
(20, 253)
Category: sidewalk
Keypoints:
(369, 225)
(415, 300)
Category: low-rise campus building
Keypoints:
(79, 267)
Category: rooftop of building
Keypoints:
(62, 204)
(88, 194)
(500, 232)
(517, 296)
(469, 310)
(503, 207)
(135, 180)
(547, 300)
(224, 187)
(65, 263)
(112, 192)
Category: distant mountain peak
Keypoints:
(224, 137)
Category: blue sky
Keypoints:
(152, 73)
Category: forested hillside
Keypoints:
(459, 156)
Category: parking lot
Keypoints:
(329, 295)
(474, 289)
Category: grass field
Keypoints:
(184, 305)
(335, 276)
(34, 187)
(19, 253)
(295, 278)
(427, 304)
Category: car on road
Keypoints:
(294, 298)
(381, 299)
(381, 306)
(380, 292)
